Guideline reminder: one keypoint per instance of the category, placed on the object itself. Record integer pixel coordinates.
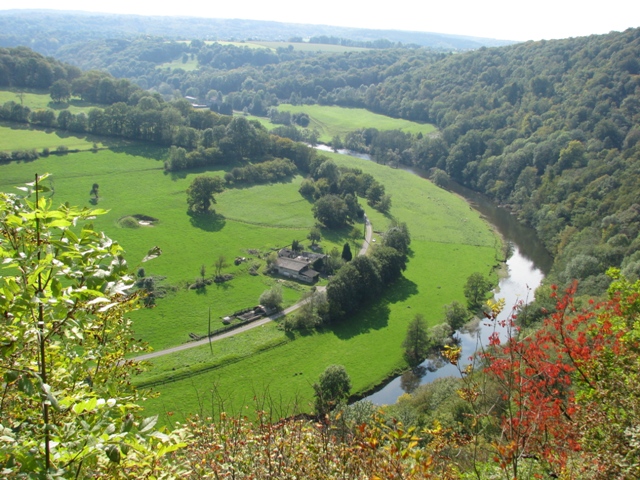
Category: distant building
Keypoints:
(193, 100)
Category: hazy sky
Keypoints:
(502, 19)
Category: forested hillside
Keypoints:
(549, 128)
(47, 30)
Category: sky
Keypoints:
(499, 19)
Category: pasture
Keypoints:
(331, 120)
(132, 182)
(311, 47)
(450, 242)
(40, 99)
(189, 66)
(14, 136)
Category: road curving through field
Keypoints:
(185, 346)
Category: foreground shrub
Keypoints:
(233, 447)
(68, 409)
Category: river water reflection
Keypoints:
(522, 279)
(526, 267)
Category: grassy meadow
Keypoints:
(15, 136)
(331, 120)
(188, 66)
(311, 47)
(450, 242)
(40, 99)
(132, 182)
(25, 137)
(303, 47)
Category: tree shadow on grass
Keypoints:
(182, 174)
(209, 222)
(304, 332)
(400, 290)
(336, 235)
(132, 147)
(247, 185)
(223, 286)
(376, 316)
(369, 318)
(201, 290)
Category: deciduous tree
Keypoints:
(416, 344)
(68, 408)
(272, 298)
(455, 315)
(314, 236)
(331, 210)
(200, 193)
(332, 387)
(475, 289)
(60, 91)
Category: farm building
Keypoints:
(298, 265)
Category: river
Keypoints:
(525, 269)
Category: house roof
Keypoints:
(306, 256)
(291, 264)
(309, 272)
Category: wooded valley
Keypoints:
(549, 129)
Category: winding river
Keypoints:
(526, 267)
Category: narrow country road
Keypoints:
(257, 323)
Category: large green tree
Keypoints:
(331, 210)
(60, 91)
(475, 289)
(416, 343)
(68, 409)
(456, 315)
(333, 386)
(200, 193)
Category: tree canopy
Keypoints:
(417, 342)
(333, 386)
(200, 194)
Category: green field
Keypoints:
(132, 182)
(188, 66)
(330, 121)
(39, 99)
(24, 137)
(450, 241)
(311, 47)
(303, 47)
